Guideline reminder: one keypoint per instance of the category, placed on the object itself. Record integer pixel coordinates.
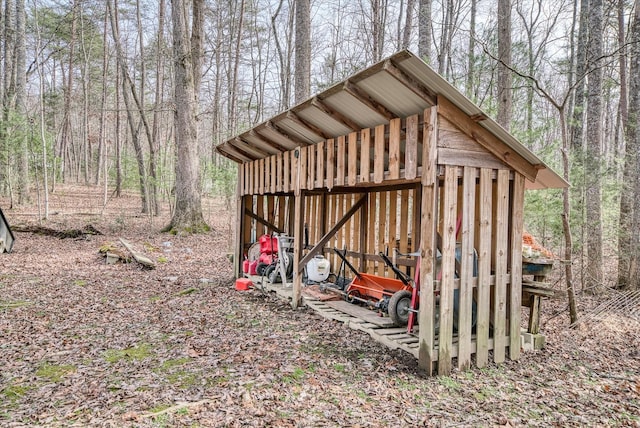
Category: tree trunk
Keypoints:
(154, 144)
(303, 51)
(577, 120)
(629, 230)
(424, 30)
(408, 24)
(21, 84)
(102, 152)
(504, 63)
(187, 216)
(66, 134)
(471, 61)
(593, 150)
(127, 86)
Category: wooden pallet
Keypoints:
(379, 328)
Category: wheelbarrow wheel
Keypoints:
(399, 306)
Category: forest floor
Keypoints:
(84, 343)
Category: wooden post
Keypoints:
(501, 250)
(484, 267)
(298, 234)
(352, 159)
(517, 219)
(365, 156)
(465, 306)
(378, 155)
(411, 148)
(427, 226)
(394, 148)
(448, 268)
(239, 232)
(364, 232)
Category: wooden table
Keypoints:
(534, 290)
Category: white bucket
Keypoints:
(318, 269)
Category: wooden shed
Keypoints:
(396, 160)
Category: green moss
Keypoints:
(80, 282)
(170, 364)
(6, 304)
(54, 372)
(182, 378)
(135, 353)
(13, 393)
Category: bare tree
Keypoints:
(187, 51)
(504, 56)
(425, 27)
(20, 96)
(303, 51)
(593, 149)
(629, 223)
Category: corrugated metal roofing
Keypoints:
(399, 86)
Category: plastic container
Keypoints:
(318, 269)
(245, 266)
(243, 284)
(252, 267)
(268, 244)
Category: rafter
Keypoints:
(365, 99)
(269, 142)
(247, 148)
(291, 115)
(334, 114)
(284, 134)
(410, 82)
(228, 151)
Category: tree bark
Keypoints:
(408, 24)
(424, 30)
(593, 150)
(504, 63)
(187, 216)
(154, 144)
(577, 118)
(23, 187)
(629, 227)
(127, 86)
(303, 51)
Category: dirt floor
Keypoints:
(85, 343)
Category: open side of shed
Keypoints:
(396, 158)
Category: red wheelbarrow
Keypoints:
(390, 295)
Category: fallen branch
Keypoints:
(173, 409)
(137, 256)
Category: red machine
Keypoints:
(390, 295)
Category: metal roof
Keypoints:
(399, 86)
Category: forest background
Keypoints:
(136, 94)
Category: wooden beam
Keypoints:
(410, 82)
(486, 139)
(353, 90)
(261, 220)
(517, 220)
(279, 147)
(306, 124)
(467, 232)
(320, 244)
(228, 150)
(284, 134)
(334, 114)
(247, 148)
(298, 233)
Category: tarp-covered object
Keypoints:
(6, 236)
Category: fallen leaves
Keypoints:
(89, 344)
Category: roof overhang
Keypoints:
(399, 86)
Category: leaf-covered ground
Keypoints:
(83, 343)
